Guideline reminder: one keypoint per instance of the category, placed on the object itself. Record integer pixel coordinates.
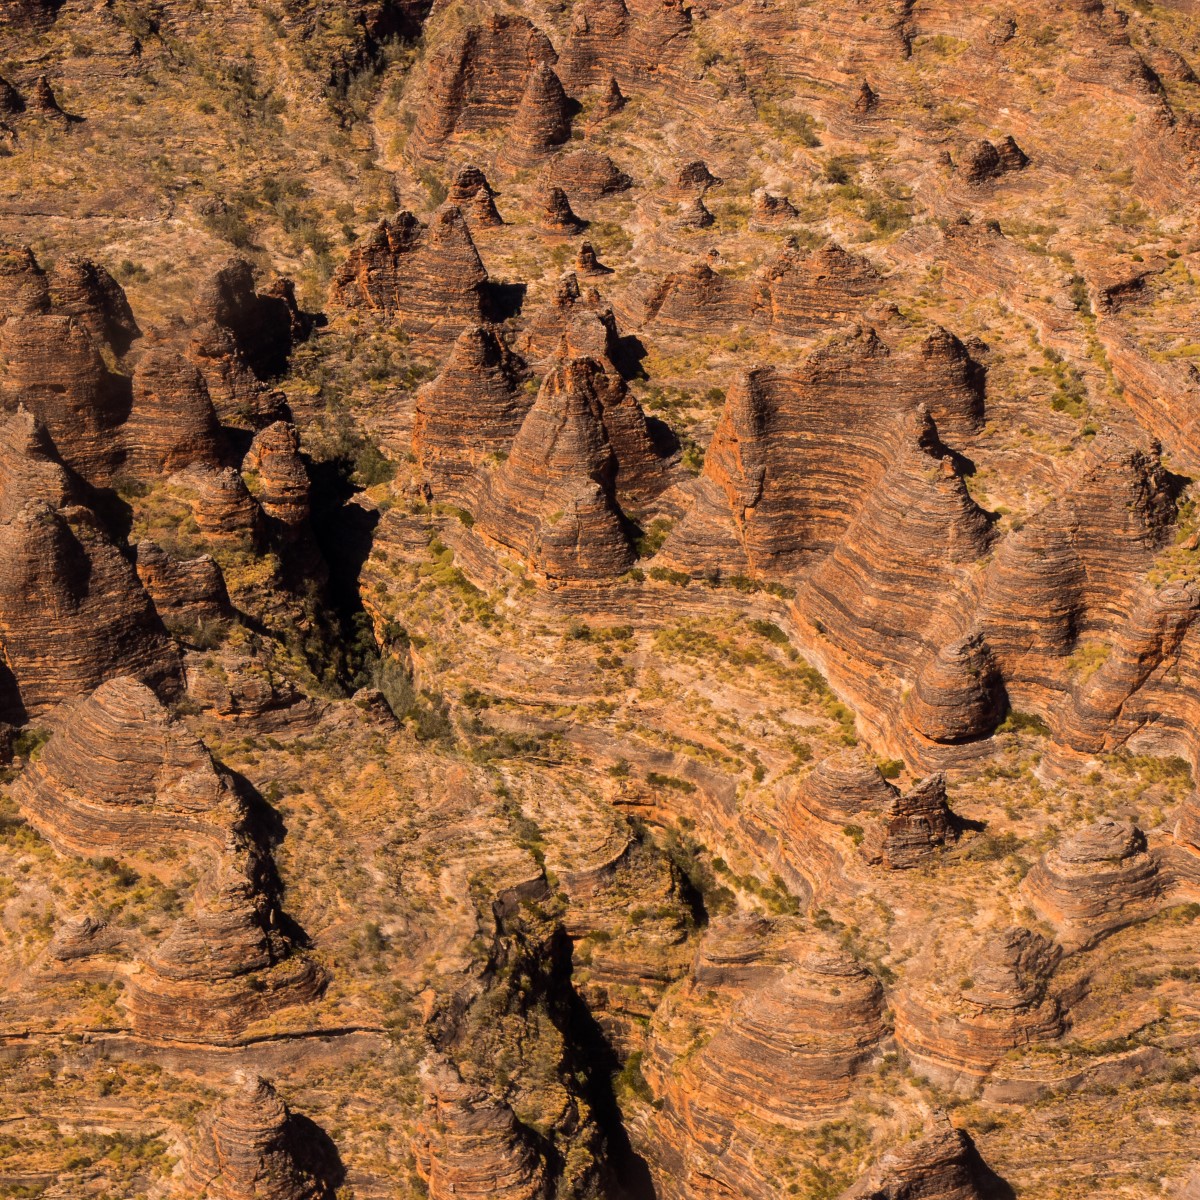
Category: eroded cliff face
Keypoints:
(599, 601)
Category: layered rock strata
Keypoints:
(1094, 881)
(555, 501)
(957, 1022)
(469, 1144)
(430, 279)
(469, 414)
(254, 1148)
(60, 564)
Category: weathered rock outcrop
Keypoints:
(281, 480)
(555, 501)
(984, 160)
(186, 593)
(226, 962)
(475, 196)
(587, 264)
(589, 174)
(796, 1020)
(73, 611)
(86, 291)
(1094, 881)
(478, 80)
(172, 422)
(471, 412)
(957, 1021)
(769, 209)
(943, 1165)
(29, 468)
(914, 825)
(253, 1148)
(242, 338)
(120, 773)
(469, 1144)
(542, 121)
(428, 278)
(556, 213)
(959, 694)
(52, 360)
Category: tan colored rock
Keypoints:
(120, 773)
(970, 1005)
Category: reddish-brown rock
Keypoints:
(542, 120)
(29, 468)
(914, 825)
(943, 1165)
(172, 422)
(477, 80)
(957, 1019)
(280, 478)
(119, 773)
(253, 1148)
(771, 210)
(242, 338)
(589, 174)
(983, 160)
(470, 1145)
(56, 369)
(557, 215)
(72, 610)
(610, 103)
(186, 593)
(43, 101)
(471, 412)
(1094, 881)
(554, 501)
(587, 264)
(430, 279)
(959, 693)
(86, 291)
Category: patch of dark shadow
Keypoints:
(503, 301)
(665, 440)
(627, 354)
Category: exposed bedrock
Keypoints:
(429, 279)
(795, 1021)
(588, 174)
(73, 612)
(120, 772)
(254, 1148)
(959, 694)
(957, 1020)
(942, 1165)
(469, 1144)
(227, 962)
(242, 338)
(477, 80)
(799, 452)
(185, 592)
(280, 476)
(1094, 881)
(541, 123)
(469, 414)
(172, 422)
(582, 450)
